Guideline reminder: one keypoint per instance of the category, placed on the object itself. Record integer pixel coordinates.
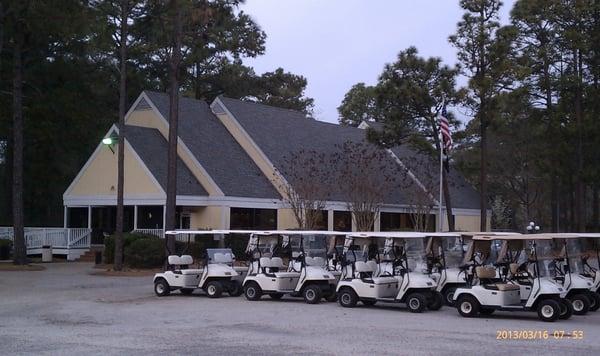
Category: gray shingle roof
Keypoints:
(216, 150)
(152, 148)
(281, 132)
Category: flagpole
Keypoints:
(441, 218)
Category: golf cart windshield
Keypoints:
(315, 249)
(454, 251)
(575, 252)
(591, 248)
(220, 255)
(355, 255)
(415, 254)
(549, 254)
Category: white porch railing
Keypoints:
(153, 232)
(58, 238)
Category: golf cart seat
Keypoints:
(272, 267)
(365, 272)
(180, 264)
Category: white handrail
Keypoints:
(36, 237)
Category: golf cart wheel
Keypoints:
(486, 311)
(581, 304)
(448, 295)
(161, 288)
(235, 289)
(276, 296)
(252, 291)
(312, 294)
(566, 309)
(436, 301)
(368, 302)
(186, 291)
(416, 302)
(347, 298)
(468, 306)
(594, 298)
(214, 289)
(548, 310)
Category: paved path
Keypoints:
(64, 310)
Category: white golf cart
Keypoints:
(306, 273)
(216, 276)
(591, 263)
(445, 253)
(566, 268)
(489, 295)
(396, 275)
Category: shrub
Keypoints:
(5, 247)
(128, 239)
(145, 253)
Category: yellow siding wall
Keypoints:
(466, 223)
(286, 219)
(100, 177)
(210, 217)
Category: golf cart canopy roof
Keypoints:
(255, 232)
(486, 233)
(390, 234)
(442, 234)
(513, 236)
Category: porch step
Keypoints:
(90, 255)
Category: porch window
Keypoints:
(342, 221)
(249, 219)
(77, 217)
(150, 217)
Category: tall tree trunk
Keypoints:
(20, 249)
(173, 123)
(483, 175)
(579, 185)
(118, 263)
(595, 207)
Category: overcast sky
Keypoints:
(338, 43)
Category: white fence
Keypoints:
(153, 232)
(58, 238)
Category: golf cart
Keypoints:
(396, 275)
(591, 262)
(216, 276)
(445, 254)
(566, 266)
(490, 294)
(306, 273)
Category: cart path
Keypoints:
(64, 310)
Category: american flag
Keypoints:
(445, 130)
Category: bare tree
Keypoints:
(421, 193)
(365, 175)
(308, 186)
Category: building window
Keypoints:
(342, 221)
(253, 219)
(323, 221)
(402, 222)
(150, 217)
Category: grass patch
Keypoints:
(10, 267)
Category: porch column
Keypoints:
(65, 216)
(330, 220)
(164, 217)
(135, 217)
(89, 217)
(377, 223)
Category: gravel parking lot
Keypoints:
(65, 310)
